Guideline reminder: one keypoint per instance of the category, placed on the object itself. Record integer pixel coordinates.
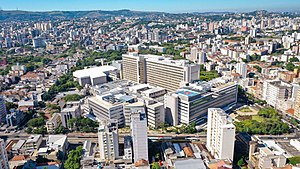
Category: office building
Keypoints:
(134, 68)
(109, 106)
(129, 108)
(108, 140)
(275, 91)
(71, 111)
(38, 42)
(241, 68)
(190, 103)
(159, 71)
(3, 111)
(155, 113)
(14, 118)
(220, 134)
(3, 156)
(139, 135)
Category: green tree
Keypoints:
(155, 165)
(36, 122)
(290, 66)
(72, 97)
(293, 160)
(294, 59)
(259, 69)
(83, 125)
(73, 161)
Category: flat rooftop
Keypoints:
(93, 72)
(186, 92)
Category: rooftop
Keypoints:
(186, 92)
(93, 72)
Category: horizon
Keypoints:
(167, 6)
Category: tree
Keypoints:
(72, 97)
(155, 165)
(73, 161)
(83, 124)
(36, 122)
(293, 160)
(294, 59)
(290, 66)
(259, 69)
(10, 105)
(60, 130)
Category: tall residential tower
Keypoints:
(220, 134)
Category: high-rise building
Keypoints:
(220, 134)
(3, 156)
(159, 71)
(134, 68)
(189, 104)
(241, 68)
(275, 91)
(38, 42)
(297, 105)
(194, 54)
(139, 135)
(108, 106)
(3, 110)
(108, 140)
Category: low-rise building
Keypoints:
(53, 123)
(33, 143)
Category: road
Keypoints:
(79, 138)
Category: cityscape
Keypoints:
(149, 85)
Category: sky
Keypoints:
(173, 6)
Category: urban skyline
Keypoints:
(131, 89)
(174, 6)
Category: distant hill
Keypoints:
(27, 15)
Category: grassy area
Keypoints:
(207, 76)
(268, 121)
(245, 110)
(258, 118)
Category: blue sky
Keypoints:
(152, 5)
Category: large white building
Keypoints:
(3, 156)
(189, 104)
(94, 76)
(241, 68)
(109, 106)
(108, 140)
(275, 91)
(220, 134)
(139, 135)
(159, 71)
